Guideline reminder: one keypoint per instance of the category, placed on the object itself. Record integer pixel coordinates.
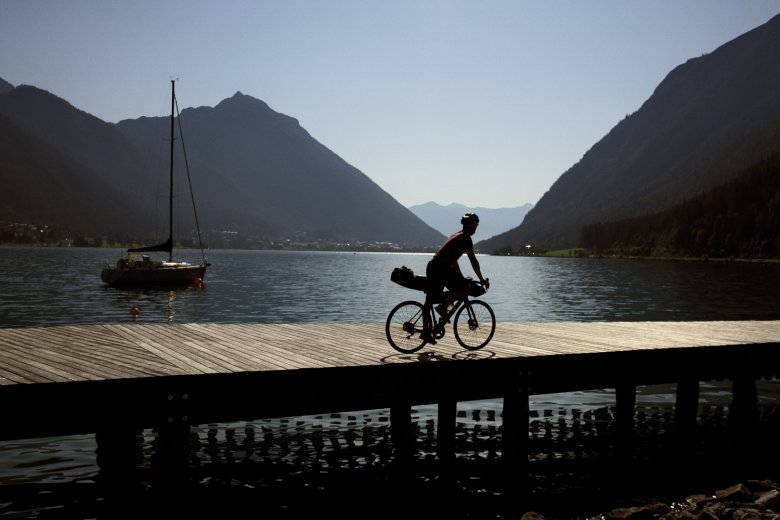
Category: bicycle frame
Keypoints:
(438, 324)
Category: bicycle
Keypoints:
(474, 322)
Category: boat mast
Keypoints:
(170, 190)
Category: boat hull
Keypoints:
(174, 274)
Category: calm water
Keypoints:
(52, 286)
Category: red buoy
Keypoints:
(198, 281)
(134, 312)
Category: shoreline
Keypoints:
(430, 250)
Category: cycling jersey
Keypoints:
(441, 270)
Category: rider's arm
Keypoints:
(475, 266)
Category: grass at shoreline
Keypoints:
(578, 252)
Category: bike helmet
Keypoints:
(469, 218)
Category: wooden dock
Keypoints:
(92, 378)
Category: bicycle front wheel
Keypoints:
(404, 327)
(475, 324)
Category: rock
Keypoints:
(646, 512)
(753, 500)
(769, 499)
(738, 492)
(747, 514)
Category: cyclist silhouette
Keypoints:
(443, 271)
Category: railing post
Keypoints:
(515, 427)
(400, 430)
(625, 408)
(172, 450)
(744, 417)
(445, 434)
(686, 411)
(118, 452)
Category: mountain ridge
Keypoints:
(261, 176)
(709, 118)
(446, 219)
(257, 174)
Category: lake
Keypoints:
(54, 286)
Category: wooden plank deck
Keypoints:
(104, 352)
(64, 379)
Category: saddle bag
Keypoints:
(405, 277)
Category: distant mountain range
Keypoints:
(260, 180)
(706, 122)
(446, 219)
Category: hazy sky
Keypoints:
(481, 102)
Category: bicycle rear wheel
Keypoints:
(404, 327)
(475, 324)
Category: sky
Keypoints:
(482, 102)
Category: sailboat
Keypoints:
(137, 267)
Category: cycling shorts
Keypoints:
(440, 275)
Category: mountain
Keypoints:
(257, 175)
(739, 219)
(706, 121)
(43, 185)
(54, 163)
(492, 221)
(5, 86)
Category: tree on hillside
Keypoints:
(740, 219)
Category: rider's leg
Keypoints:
(458, 288)
(454, 296)
(434, 286)
(427, 333)
(427, 325)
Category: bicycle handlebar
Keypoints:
(485, 284)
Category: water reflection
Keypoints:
(169, 306)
